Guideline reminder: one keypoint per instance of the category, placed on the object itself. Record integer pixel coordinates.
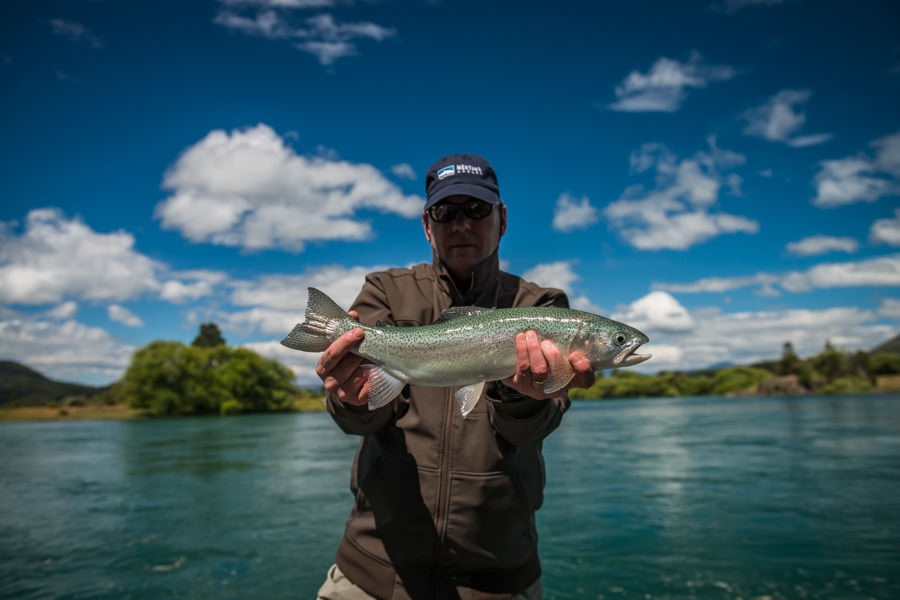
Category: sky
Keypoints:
(723, 175)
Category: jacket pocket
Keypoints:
(392, 520)
(490, 523)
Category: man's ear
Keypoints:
(502, 219)
(426, 227)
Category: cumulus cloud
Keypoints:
(779, 119)
(120, 314)
(183, 286)
(886, 231)
(278, 302)
(63, 350)
(657, 311)
(883, 271)
(680, 211)
(248, 189)
(861, 178)
(889, 307)
(56, 258)
(664, 87)
(75, 32)
(748, 337)
(403, 171)
(822, 244)
(570, 214)
(320, 35)
(561, 275)
(63, 311)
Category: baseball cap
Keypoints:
(467, 174)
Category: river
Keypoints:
(762, 498)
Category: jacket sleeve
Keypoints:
(520, 419)
(371, 304)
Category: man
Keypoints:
(445, 505)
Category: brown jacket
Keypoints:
(445, 506)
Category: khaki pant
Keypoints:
(338, 587)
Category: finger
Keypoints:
(522, 362)
(337, 351)
(536, 361)
(584, 372)
(343, 371)
(353, 314)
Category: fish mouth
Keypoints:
(627, 357)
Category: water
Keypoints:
(691, 498)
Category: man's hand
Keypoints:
(339, 369)
(532, 359)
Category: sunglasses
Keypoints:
(443, 212)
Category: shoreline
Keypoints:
(105, 412)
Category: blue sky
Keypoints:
(724, 175)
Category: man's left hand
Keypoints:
(533, 358)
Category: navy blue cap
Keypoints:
(466, 174)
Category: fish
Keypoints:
(467, 346)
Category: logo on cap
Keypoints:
(446, 172)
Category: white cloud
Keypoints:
(876, 272)
(570, 214)
(889, 307)
(63, 311)
(76, 32)
(822, 244)
(321, 35)
(282, 3)
(278, 302)
(886, 231)
(561, 275)
(63, 350)
(732, 6)
(247, 188)
(677, 213)
(777, 120)
(55, 258)
(190, 285)
(120, 314)
(860, 178)
(403, 171)
(748, 337)
(303, 364)
(656, 311)
(663, 88)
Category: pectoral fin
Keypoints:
(467, 397)
(383, 387)
(561, 373)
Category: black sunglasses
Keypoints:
(443, 212)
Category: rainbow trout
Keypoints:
(467, 346)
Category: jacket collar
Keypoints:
(483, 282)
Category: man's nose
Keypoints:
(461, 222)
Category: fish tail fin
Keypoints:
(324, 323)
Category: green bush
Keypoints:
(169, 378)
(738, 379)
(851, 384)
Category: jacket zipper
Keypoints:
(440, 517)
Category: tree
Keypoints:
(209, 336)
(169, 378)
(789, 363)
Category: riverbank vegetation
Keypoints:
(832, 371)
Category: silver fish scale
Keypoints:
(458, 351)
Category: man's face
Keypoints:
(463, 243)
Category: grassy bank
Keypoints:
(112, 411)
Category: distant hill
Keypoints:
(892, 345)
(22, 385)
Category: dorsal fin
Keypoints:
(456, 312)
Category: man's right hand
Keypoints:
(339, 370)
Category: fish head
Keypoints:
(608, 344)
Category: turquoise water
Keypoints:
(688, 498)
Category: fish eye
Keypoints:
(619, 338)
